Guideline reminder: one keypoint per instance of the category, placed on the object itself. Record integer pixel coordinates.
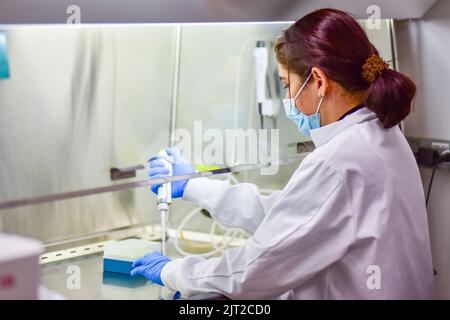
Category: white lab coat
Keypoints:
(351, 223)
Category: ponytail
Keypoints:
(390, 97)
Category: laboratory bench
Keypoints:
(94, 284)
(77, 273)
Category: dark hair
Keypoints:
(334, 41)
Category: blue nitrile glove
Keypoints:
(150, 266)
(177, 295)
(179, 168)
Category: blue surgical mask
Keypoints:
(303, 122)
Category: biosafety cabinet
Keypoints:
(90, 93)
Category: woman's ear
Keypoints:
(321, 81)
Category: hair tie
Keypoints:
(373, 67)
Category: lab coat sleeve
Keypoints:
(239, 205)
(310, 227)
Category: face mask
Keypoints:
(303, 122)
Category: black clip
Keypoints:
(124, 173)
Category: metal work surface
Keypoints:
(77, 273)
(98, 285)
(80, 276)
(93, 282)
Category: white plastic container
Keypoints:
(19, 267)
(129, 249)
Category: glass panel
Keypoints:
(84, 99)
(81, 100)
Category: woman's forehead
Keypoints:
(282, 71)
(284, 75)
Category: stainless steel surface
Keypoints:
(94, 283)
(145, 183)
(77, 104)
(76, 273)
(98, 285)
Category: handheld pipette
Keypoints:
(164, 196)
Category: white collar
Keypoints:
(322, 135)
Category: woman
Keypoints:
(351, 222)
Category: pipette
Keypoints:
(164, 196)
